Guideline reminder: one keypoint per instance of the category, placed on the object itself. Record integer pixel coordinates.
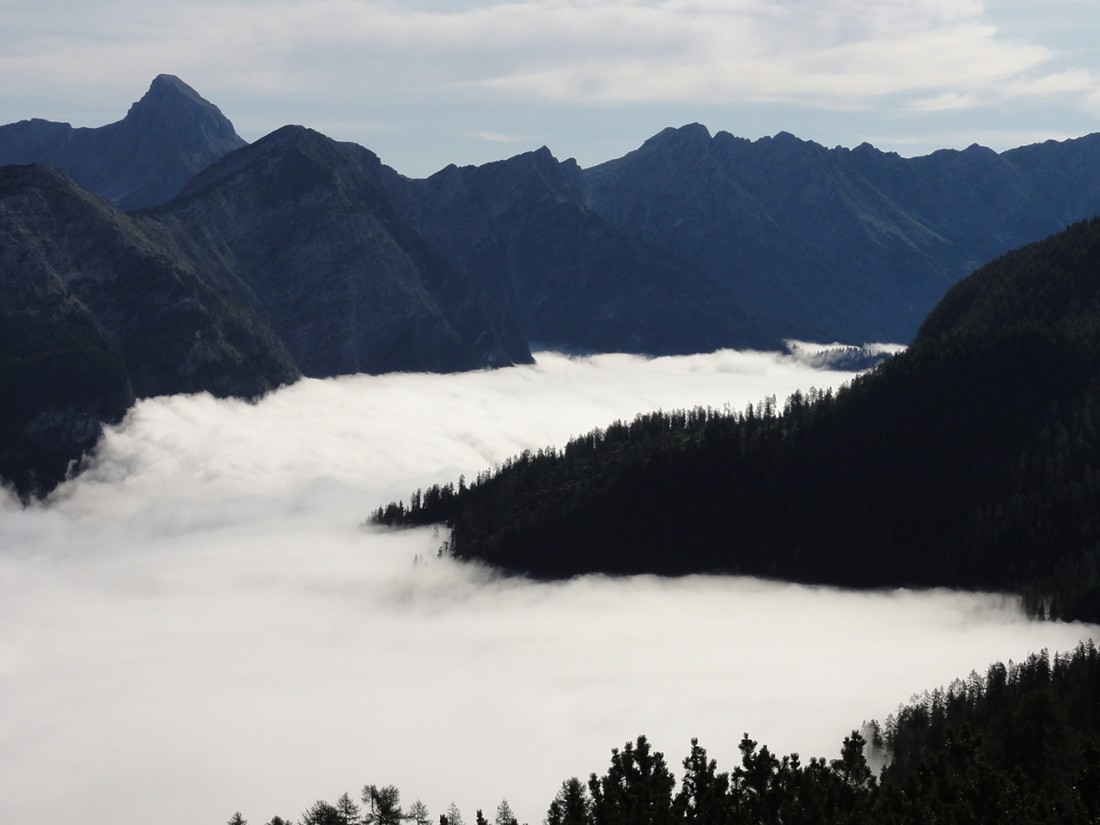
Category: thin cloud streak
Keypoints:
(820, 54)
(418, 82)
(200, 624)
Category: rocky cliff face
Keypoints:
(142, 160)
(343, 280)
(859, 242)
(572, 278)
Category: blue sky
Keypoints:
(427, 83)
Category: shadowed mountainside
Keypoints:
(343, 280)
(286, 257)
(857, 243)
(567, 275)
(98, 308)
(970, 460)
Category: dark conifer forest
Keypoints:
(1020, 745)
(968, 461)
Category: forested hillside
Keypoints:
(968, 461)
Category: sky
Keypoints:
(426, 83)
(201, 623)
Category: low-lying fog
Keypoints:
(199, 624)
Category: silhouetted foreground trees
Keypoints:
(972, 460)
(1020, 745)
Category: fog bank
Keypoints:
(201, 624)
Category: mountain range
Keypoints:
(851, 245)
(298, 254)
(282, 258)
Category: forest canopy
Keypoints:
(970, 460)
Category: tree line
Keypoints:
(1020, 745)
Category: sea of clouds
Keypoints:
(201, 622)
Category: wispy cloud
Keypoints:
(946, 102)
(493, 137)
(835, 52)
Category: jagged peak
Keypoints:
(168, 83)
(786, 137)
(291, 133)
(169, 88)
(689, 134)
(296, 135)
(292, 139)
(976, 149)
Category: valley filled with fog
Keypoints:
(201, 623)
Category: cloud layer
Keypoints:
(200, 624)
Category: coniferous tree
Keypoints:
(703, 796)
(321, 813)
(571, 806)
(383, 805)
(504, 814)
(636, 790)
(418, 813)
(453, 815)
(347, 809)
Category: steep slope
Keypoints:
(970, 460)
(346, 284)
(99, 308)
(862, 242)
(572, 279)
(142, 160)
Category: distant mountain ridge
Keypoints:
(523, 228)
(859, 243)
(755, 241)
(142, 160)
(343, 280)
(689, 243)
(300, 254)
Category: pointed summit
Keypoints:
(170, 99)
(143, 160)
(164, 84)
